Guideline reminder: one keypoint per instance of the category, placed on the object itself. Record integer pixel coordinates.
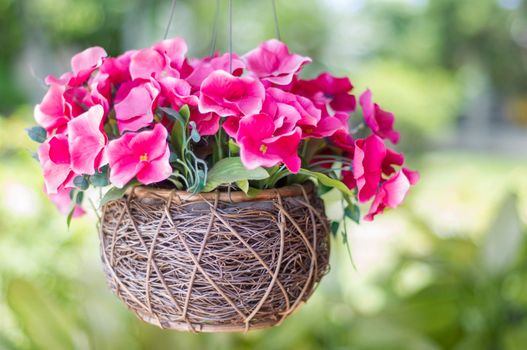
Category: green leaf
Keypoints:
(115, 193)
(243, 185)
(81, 183)
(352, 212)
(233, 147)
(253, 192)
(76, 199)
(335, 226)
(328, 181)
(231, 170)
(100, 179)
(37, 134)
(184, 111)
(178, 135)
(40, 317)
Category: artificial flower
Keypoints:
(135, 104)
(87, 141)
(261, 146)
(273, 62)
(201, 68)
(62, 201)
(392, 192)
(54, 158)
(378, 120)
(143, 155)
(227, 95)
(328, 90)
(83, 65)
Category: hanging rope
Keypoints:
(170, 18)
(214, 37)
(230, 36)
(275, 15)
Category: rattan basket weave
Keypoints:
(214, 262)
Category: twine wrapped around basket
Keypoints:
(215, 262)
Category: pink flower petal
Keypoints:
(378, 120)
(146, 63)
(142, 154)
(272, 61)
(228, 95)
(87, 141)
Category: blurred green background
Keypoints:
(446, 271)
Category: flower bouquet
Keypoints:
(212, 219)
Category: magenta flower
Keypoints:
(378, 120)
(50, 113)
(202, 68)
(147, 63)
(174, 50)
(206, 124)
(164, 58)
(228, 95)
(83, 65)
(328, 90)
(54, 158)
(62, 201)
(328, 125)
(272, 61)
(58, 106)
(177, 92)
(261, 146)
(117, 69)
(392, 192)
(309, 114)
(367, 165)
(144, 155)
(135, 104)
(87, 141)
(343, 140)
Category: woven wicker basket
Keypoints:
(214, 262)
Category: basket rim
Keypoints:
(222, 196)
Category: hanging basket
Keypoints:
(214, 262)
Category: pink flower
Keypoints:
(54, 158)
(392, 192)
(371, 159)
(206, 124)
(204, 67)
(58, 106)
(147, 63)
(87, 141)
(328, 90)
(343, 140)
(135, 103)
(177, 92)
(117, 69)
(164, 58)
(62, 201)
(272, 61)
(144, 155)
(328, 125)
(261, 146)
(174, 51)
(367, 165)
(309, 114)
(228, 95)
(83, 65)
(378, 120)
(50, 112)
